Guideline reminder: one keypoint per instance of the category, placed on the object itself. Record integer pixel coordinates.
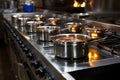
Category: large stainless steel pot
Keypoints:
(43, 32)
(71, 46)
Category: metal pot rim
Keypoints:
(86, 37)
(47, 28)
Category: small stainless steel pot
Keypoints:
(40, 17)
(32, 26)
(43, 32)
(75, 27)
(22, 21)
(54, 21)
(70, 46)
(14, 19)
(70, 27)
(95, 33)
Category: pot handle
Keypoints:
(97, 40)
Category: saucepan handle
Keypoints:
(91, 41)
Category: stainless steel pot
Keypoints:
(22, 21)
(40, 17)
(70, 46)
(70, 27)
(75, 27)
(95, 33)
(32, 26)
(54, 21)
(14, 19)
(43, 32)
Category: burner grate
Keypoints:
(111, 44)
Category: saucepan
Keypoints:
(95, 33)
(72, 46)
(32, 25)
(43, 32)
(69, 27)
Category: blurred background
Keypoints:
(66, 5)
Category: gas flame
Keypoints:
(83, 4)
(77, 4)
(54, 22)
(73, 30)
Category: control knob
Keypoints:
(47, 76)
(40, 71)
(25, 49)
(17, 38)
(30, 55)
(36, 64)
(14, 35)
(20, 42)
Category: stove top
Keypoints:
(101, 53)
(96, 56)
(111, 44)
(110, 17)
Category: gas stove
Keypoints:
(40, 55)
(101, 54)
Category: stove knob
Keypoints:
(40, 71)
(11, 31)
(14, 35)
(25, 49)
(30, 55)
(20, 42)
(36, 64)
(23, 46)
(17, 38)
(48, 77)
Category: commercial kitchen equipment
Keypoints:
(40, 62)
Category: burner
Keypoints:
(111, 44)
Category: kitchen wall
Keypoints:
(103, 5)
(92, 5)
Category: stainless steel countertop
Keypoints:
(59, 67)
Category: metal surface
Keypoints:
(60, 69)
